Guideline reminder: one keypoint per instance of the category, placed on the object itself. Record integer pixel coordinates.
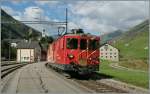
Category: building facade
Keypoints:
(25, 55)
(28, 52)
(108, 52)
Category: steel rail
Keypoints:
(8, 68)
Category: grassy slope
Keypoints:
(132, 77)
(136, 46)
(134, 55)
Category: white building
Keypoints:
(28, 52)
(109, 52)
(25, 55)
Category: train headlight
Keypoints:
(70, 56)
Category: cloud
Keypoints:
(33, 13)
(16, 2)
(109, 16)
(72, 25)
(93, 25)
(46, 2)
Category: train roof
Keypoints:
(75, 32)
(28, 45)
(82, 35)
(72, 35)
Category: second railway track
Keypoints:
(7, 68)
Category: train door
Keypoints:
(61, 51)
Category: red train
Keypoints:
(75, 53)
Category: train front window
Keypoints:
(93, 44)
(83, 44)
(72, 43)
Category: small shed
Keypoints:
(28, 51)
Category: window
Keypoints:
(106, 53)
(110, 53)
(110, 49)
(83, 44)
(101, 53)
(93, 44)
(27, 58)
(106, 47)
(110, 56)
(101, 49)
(114, 53)
(106, 56)
(72, 43)
(101, 56)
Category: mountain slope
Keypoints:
(17, 31)
(110, 36)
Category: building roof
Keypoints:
(107, 44)
(28, 45)
(13, 40)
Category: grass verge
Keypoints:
(132, 77)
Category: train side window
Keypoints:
(93, 44)
(72, 43)
(83, 44)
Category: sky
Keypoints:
(95, 17)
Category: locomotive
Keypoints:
(75, 52)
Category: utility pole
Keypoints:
(9, 45)
(66, 20)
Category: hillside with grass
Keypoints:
(133, 46)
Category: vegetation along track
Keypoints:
(92, 83)
(7, 68)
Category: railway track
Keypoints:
(99, 87)
(7, 68)
(91, 84)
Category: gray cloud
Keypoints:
(110, 15)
